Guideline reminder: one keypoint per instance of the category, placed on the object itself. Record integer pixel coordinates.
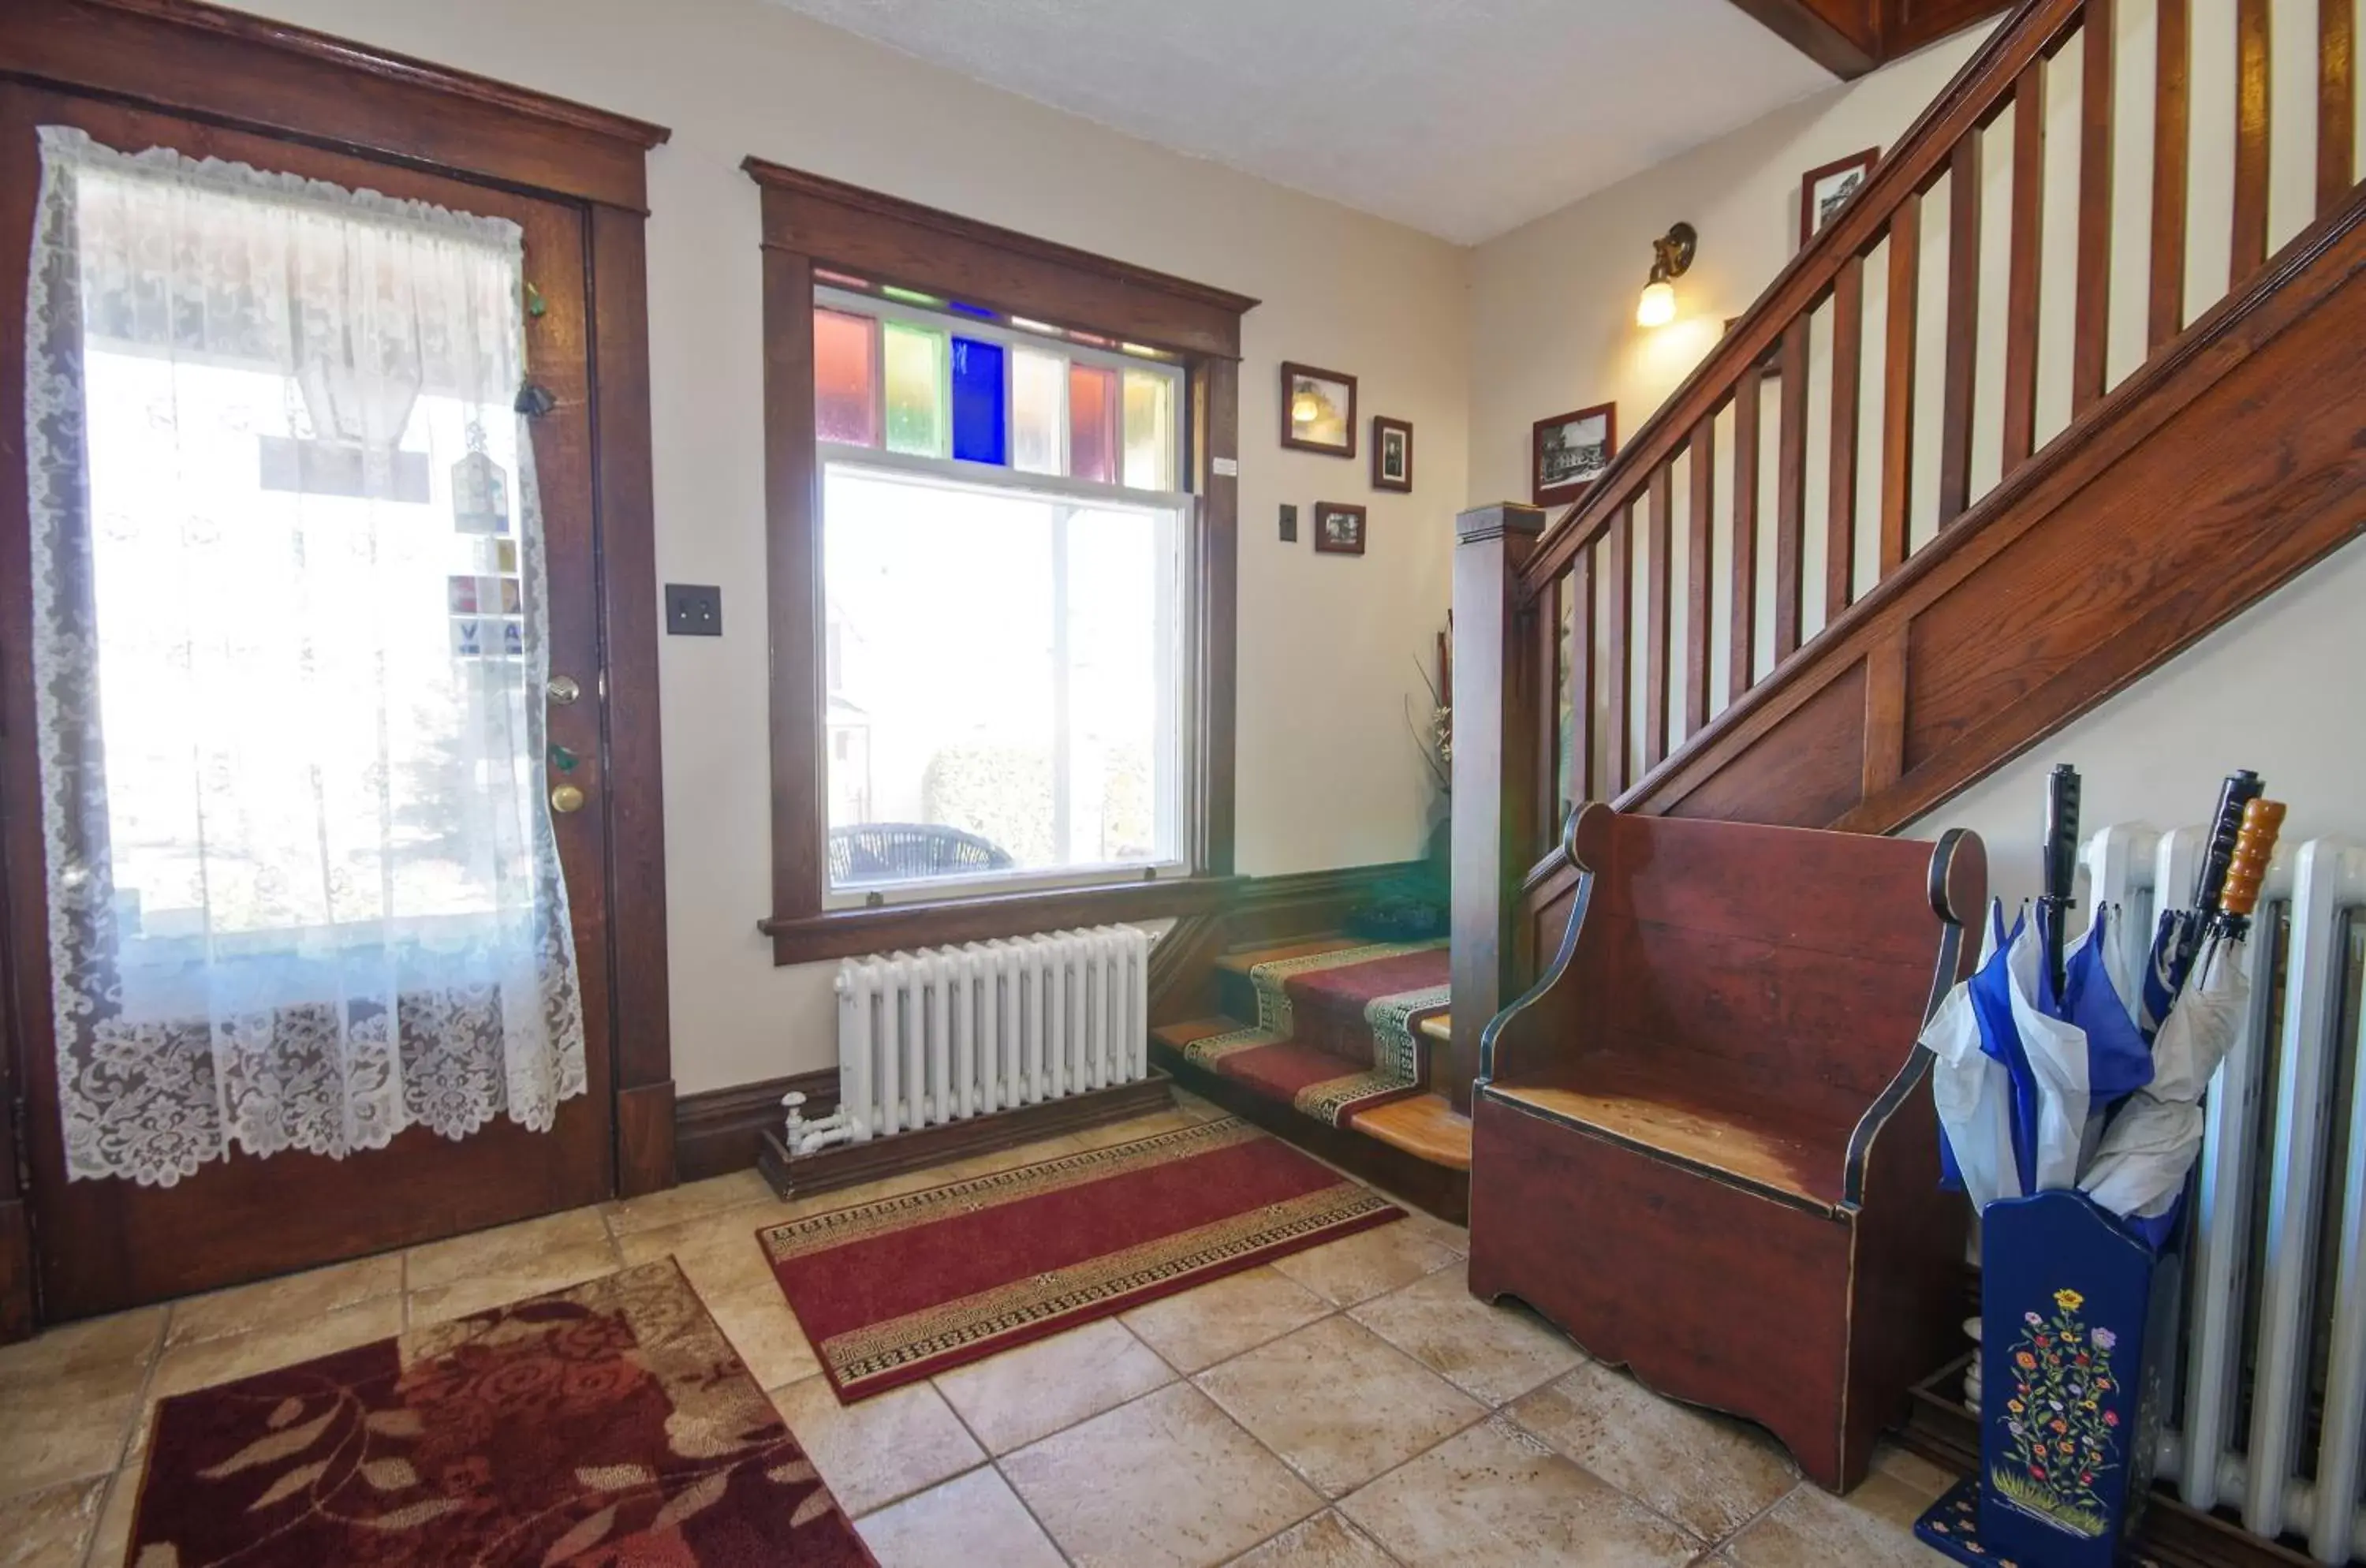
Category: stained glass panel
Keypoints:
(978, 432)
(914, 360)
(1149, 430)
(1039, 409)
(1092, 423)
(845, 378)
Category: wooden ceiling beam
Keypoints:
(1850, 37)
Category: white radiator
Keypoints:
(2270, 1412)
(950, 1032)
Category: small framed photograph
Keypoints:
(1391, 452)
(1570, 451)
(1338, 528)
(1318, 411)
(1825, 189)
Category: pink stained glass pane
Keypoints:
(1092, 423)
(845, 378)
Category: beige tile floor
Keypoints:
(1349, 1406)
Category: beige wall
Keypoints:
(1327, 775)
(1552, 303)
(1553, 328)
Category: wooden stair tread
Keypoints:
(1190, 1031)
(1425, 1126)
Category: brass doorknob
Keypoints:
(566, 799)
(563, 690)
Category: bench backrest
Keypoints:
(1785, 964)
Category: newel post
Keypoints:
(1497, 690)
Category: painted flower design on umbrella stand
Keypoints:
(2060, 1418)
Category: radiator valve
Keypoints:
(802, 1137)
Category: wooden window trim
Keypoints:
(811, 222)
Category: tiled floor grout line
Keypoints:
(131, 1431)
(105, 1489)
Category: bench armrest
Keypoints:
(1542, 1023)
(1958, 886)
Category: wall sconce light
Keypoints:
(1671, 258)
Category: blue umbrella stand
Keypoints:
(2077, 1333)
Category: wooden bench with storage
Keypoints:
(1703, 1145)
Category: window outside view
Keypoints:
(1002, 680)
(296, 739)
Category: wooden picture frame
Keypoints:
(1314, 434)
(1836, 190)
(1559, 491)
(1340, 542)
(1391, 454)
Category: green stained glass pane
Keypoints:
(1039, 409)
(915, 359)
(1149, 430)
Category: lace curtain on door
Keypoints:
(290, 646)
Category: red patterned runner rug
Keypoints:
(606, 1424)
(901, 1289)
(1338, 1028)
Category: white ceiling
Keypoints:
(1463, 117)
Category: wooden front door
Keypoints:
(105, 1244)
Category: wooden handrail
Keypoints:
(1921, 157)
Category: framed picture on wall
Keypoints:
(1391, 452)
(1318, 411)
(1570, 451)
(1338, 528)
(1825, 189)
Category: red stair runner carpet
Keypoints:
(1338, 1031)
(903, 1288)
(605, 1423)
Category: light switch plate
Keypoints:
(694, 610)
(1288, 523)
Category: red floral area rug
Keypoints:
(607, 1424)
(901, 1289)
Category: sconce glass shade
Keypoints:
(1657, 308)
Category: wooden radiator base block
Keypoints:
(850, 1165)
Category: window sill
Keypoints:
(852, 933)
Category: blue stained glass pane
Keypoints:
(958, 309)
(979, 430)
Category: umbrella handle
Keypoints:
(2239, 790)
(2247, 868)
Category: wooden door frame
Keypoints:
(223, 67)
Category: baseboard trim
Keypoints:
(718, 1131)
(849, 1165)
(1439, 1189)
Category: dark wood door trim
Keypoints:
(223, 68)
(216, 64)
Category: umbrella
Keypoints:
(2140, 1168)
(2027, 1088)
(1973, 1089)
(2178, 940)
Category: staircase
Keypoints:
(2070, 382)
(1331, 1041)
